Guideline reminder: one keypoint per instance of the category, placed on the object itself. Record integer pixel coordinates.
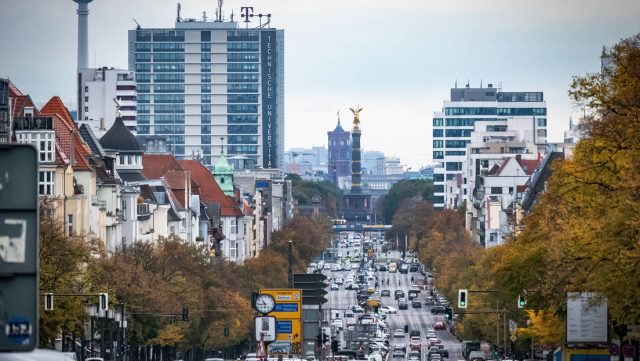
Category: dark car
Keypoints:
(385, 293)
(413, 268)
(416, 303)
(399, 294)
(383, 268)
(437, 310)
(414, 333)
(403, 305)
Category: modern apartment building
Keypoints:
(205, 84)
(452, 127)
(103, 93)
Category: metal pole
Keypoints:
(504, 324)
(497, 328)
(102, 334)
(290, 264)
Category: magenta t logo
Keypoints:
(246, 12)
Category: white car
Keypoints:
(388, 309)
(334, 287)
(338, 324)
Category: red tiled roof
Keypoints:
(19, 102)
(529, 165)
(155, 166)
(13, 90)
(210, 191)
(56, 106)
(67, 133)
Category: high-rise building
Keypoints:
(5, 112)
(452, 127)
(206, 84)
(104, 92)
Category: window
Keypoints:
(438, 155)
(243, 57)
(437, 122)
(542, 122)
(46, 185)
(496, 190)
(437, 133)
(470, 111)
(510, 190)
(86, 99)
(453, 166)
(243, 46)
(70, 224)
(205, 35)
(438, 143)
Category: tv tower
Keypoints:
(83, 33)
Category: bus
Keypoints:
(393, 267)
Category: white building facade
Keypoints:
(100, 89)
(453, 126)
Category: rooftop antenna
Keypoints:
(456, 85)
(204, 16)
(219, 11)
(231, 15)
(480, 83)
(137, 24)
(178, 18)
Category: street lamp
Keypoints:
(92, 311)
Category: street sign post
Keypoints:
(287, 312)
(18, 247)
(313, 287)
(265, 328)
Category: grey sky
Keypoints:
(395, 58)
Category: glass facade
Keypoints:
(190, 85)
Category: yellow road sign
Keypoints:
(287, 311)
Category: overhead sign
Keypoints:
(586, 318)
(265, 328)
(18, 247)
(288, 303)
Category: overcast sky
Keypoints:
(397, 58)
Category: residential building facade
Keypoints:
(452, 127)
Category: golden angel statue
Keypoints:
(356, 114)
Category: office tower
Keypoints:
(452, 127)
(209, 84)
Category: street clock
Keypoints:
(265, 303)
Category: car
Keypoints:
(435, 350)
(397, 353)
(414, 355)
(433, 341)
(349, 313)
(439, 325)
(403, 305)
(437, 310)
(416, 303)
(414, 333)
(385, 293)
(429, 300)
(335, 287)
(414, 341)
(431, 334)
(398, 294)
(398, 333)
(388, 309)
(338, 323)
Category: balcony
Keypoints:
(33, 123)
(143, 212)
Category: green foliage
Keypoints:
(304, 191)
(418, 189)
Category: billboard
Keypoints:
(586, 318)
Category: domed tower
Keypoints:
(223, 174)
(129, 152)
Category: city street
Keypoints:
(419, 319)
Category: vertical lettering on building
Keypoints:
(268, 69)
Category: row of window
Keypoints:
(204, 118)
(160, 35)
(451, 143)
(159, 47)
(161, 57)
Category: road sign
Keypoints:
(513, 326)
(628, 350)
(513, 338)
(265, 328)
(19, 247)
(614, 350)
(287, 311)
(313, 287)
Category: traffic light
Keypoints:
(185, 313)
(448, 312)
(335, 345)
(104, 301)
(325, 338)
(48, 301)
(522, 301)
(495, 351)
(319, 341)
(225, 331)
(462, 298)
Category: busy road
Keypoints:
(348, 271)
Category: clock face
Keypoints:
(265, 303)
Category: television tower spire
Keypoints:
(83, 33)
